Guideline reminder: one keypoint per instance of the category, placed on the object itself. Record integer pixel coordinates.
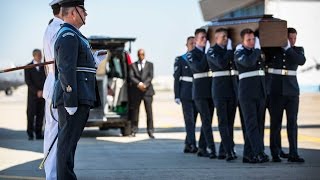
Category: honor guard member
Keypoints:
(183, 94)
(252, 94)
(284, 95)
(224, 89)
(75, 89)
(201, 93)
(51, 114)
(268, 65)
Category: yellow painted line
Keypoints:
(21, 177)
(301, 137)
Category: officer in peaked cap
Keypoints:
(75, 89)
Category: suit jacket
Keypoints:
(250, 60)
(75, 70)
(201, 88)
(221, 59)
(182, 89)
(286, 60)
(135, 76)
(35, 80)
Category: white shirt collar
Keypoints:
(35, 62)
(58, 20)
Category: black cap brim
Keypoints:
(72, 3)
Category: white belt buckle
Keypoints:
(210, 74)
(284, 72)
(261, 72)
(232, 72)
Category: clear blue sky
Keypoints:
(160, 26)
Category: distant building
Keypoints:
(301, 14)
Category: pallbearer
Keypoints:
(224, 89)
(201, 93)
(284, 95)
(252, 94)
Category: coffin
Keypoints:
(271, 31)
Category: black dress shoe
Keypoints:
(222, 156)
(262, 158)
(265, 155)
(276, 159)
(202, 153)
(251, 160)
(234, 155)
(151, 136)
(30, 138)
(194, 149)
(212, 155)
(230, 157)
(295, 159)
(284, 155)
(187, 149)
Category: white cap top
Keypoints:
(52, 2)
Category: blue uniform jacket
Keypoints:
(75, 69)
(250, 60)
(286, 60)
(201, 88)
(182, 89)
(221, 59)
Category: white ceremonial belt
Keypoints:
(251, 74)
(186, 78)
(283, 72)
(86, 69)
(224, 73)
(202, 75)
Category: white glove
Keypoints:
(177, 100)
(239, 47)
(97, 58)
(287, 46)
(229, 45)
(71, 110)
(257, 43)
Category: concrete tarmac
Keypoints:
(107, 155)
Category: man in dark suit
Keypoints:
(284, 95)
(35, 78)
(141, 75)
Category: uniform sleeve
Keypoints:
(218, 60)
(247, 60)
(177, 75)
(67, 56)
(148, 80)
(47, 50)
(296, 56)
(200, 66)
